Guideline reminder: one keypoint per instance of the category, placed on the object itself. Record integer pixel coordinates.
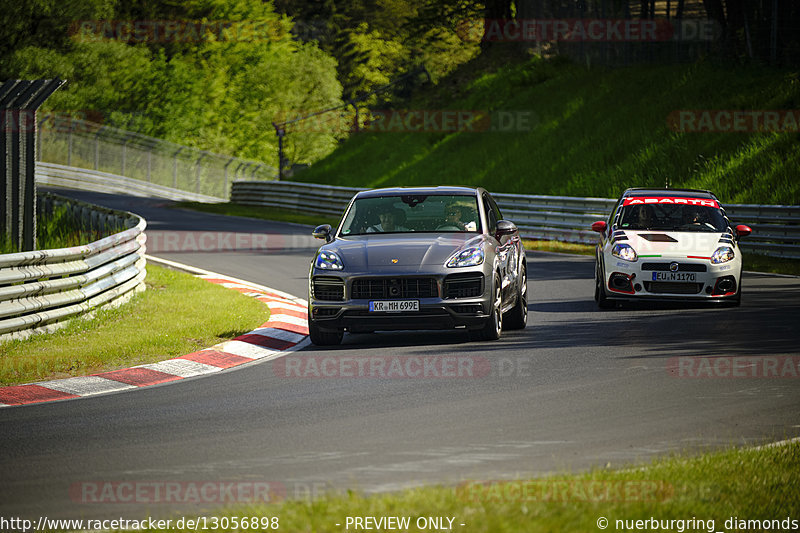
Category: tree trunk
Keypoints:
(496, 11)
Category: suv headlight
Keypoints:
(624, 251)
(723, 254)
(466, 258)
(328, 261)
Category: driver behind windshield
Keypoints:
(694, 216)
(453, 213)
(673, 218)
(391, 219)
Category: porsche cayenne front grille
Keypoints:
(366, 288)
(328, 288)
(463, 285)
(671, 287)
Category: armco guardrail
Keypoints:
(776, 229)
(92, 180)
(41, 289)
(305, 197)
(555, 218)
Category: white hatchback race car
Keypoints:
(668, 244)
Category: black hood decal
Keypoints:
(657, 237)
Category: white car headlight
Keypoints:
(466, 257)
(624, 251)
(328, 261)
(723, 254)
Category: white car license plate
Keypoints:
(393, 306)
(674, 276)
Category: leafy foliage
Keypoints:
(217, 82)
(376, 41)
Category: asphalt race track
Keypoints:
(577, 388)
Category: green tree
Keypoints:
(44, 23)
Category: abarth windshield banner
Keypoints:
(641, 200)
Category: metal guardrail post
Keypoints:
(280, 131)
(226, 173)
(124, 153)
(197, 172)
(69, 144)
(39, 140)
(5, 131)
(244, 170)
(97, 149)
(175, 167)
(19, 101)
(236, 172)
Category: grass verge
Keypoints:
(749, 484)
(176, 315)
(559, 247)
(57, 229)
(563, 129)
(775, 265)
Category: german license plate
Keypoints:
(393, 306)
(674, 276)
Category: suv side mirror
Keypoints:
(323, 232)
(504, 227)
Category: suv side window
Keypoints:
(492, 214)
(495, 208)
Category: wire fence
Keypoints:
(79, 143)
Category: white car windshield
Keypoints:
(670, 217)
(412, 213)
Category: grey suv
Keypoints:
(418, 258)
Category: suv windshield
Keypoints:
(669, 217)
(412, 213)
